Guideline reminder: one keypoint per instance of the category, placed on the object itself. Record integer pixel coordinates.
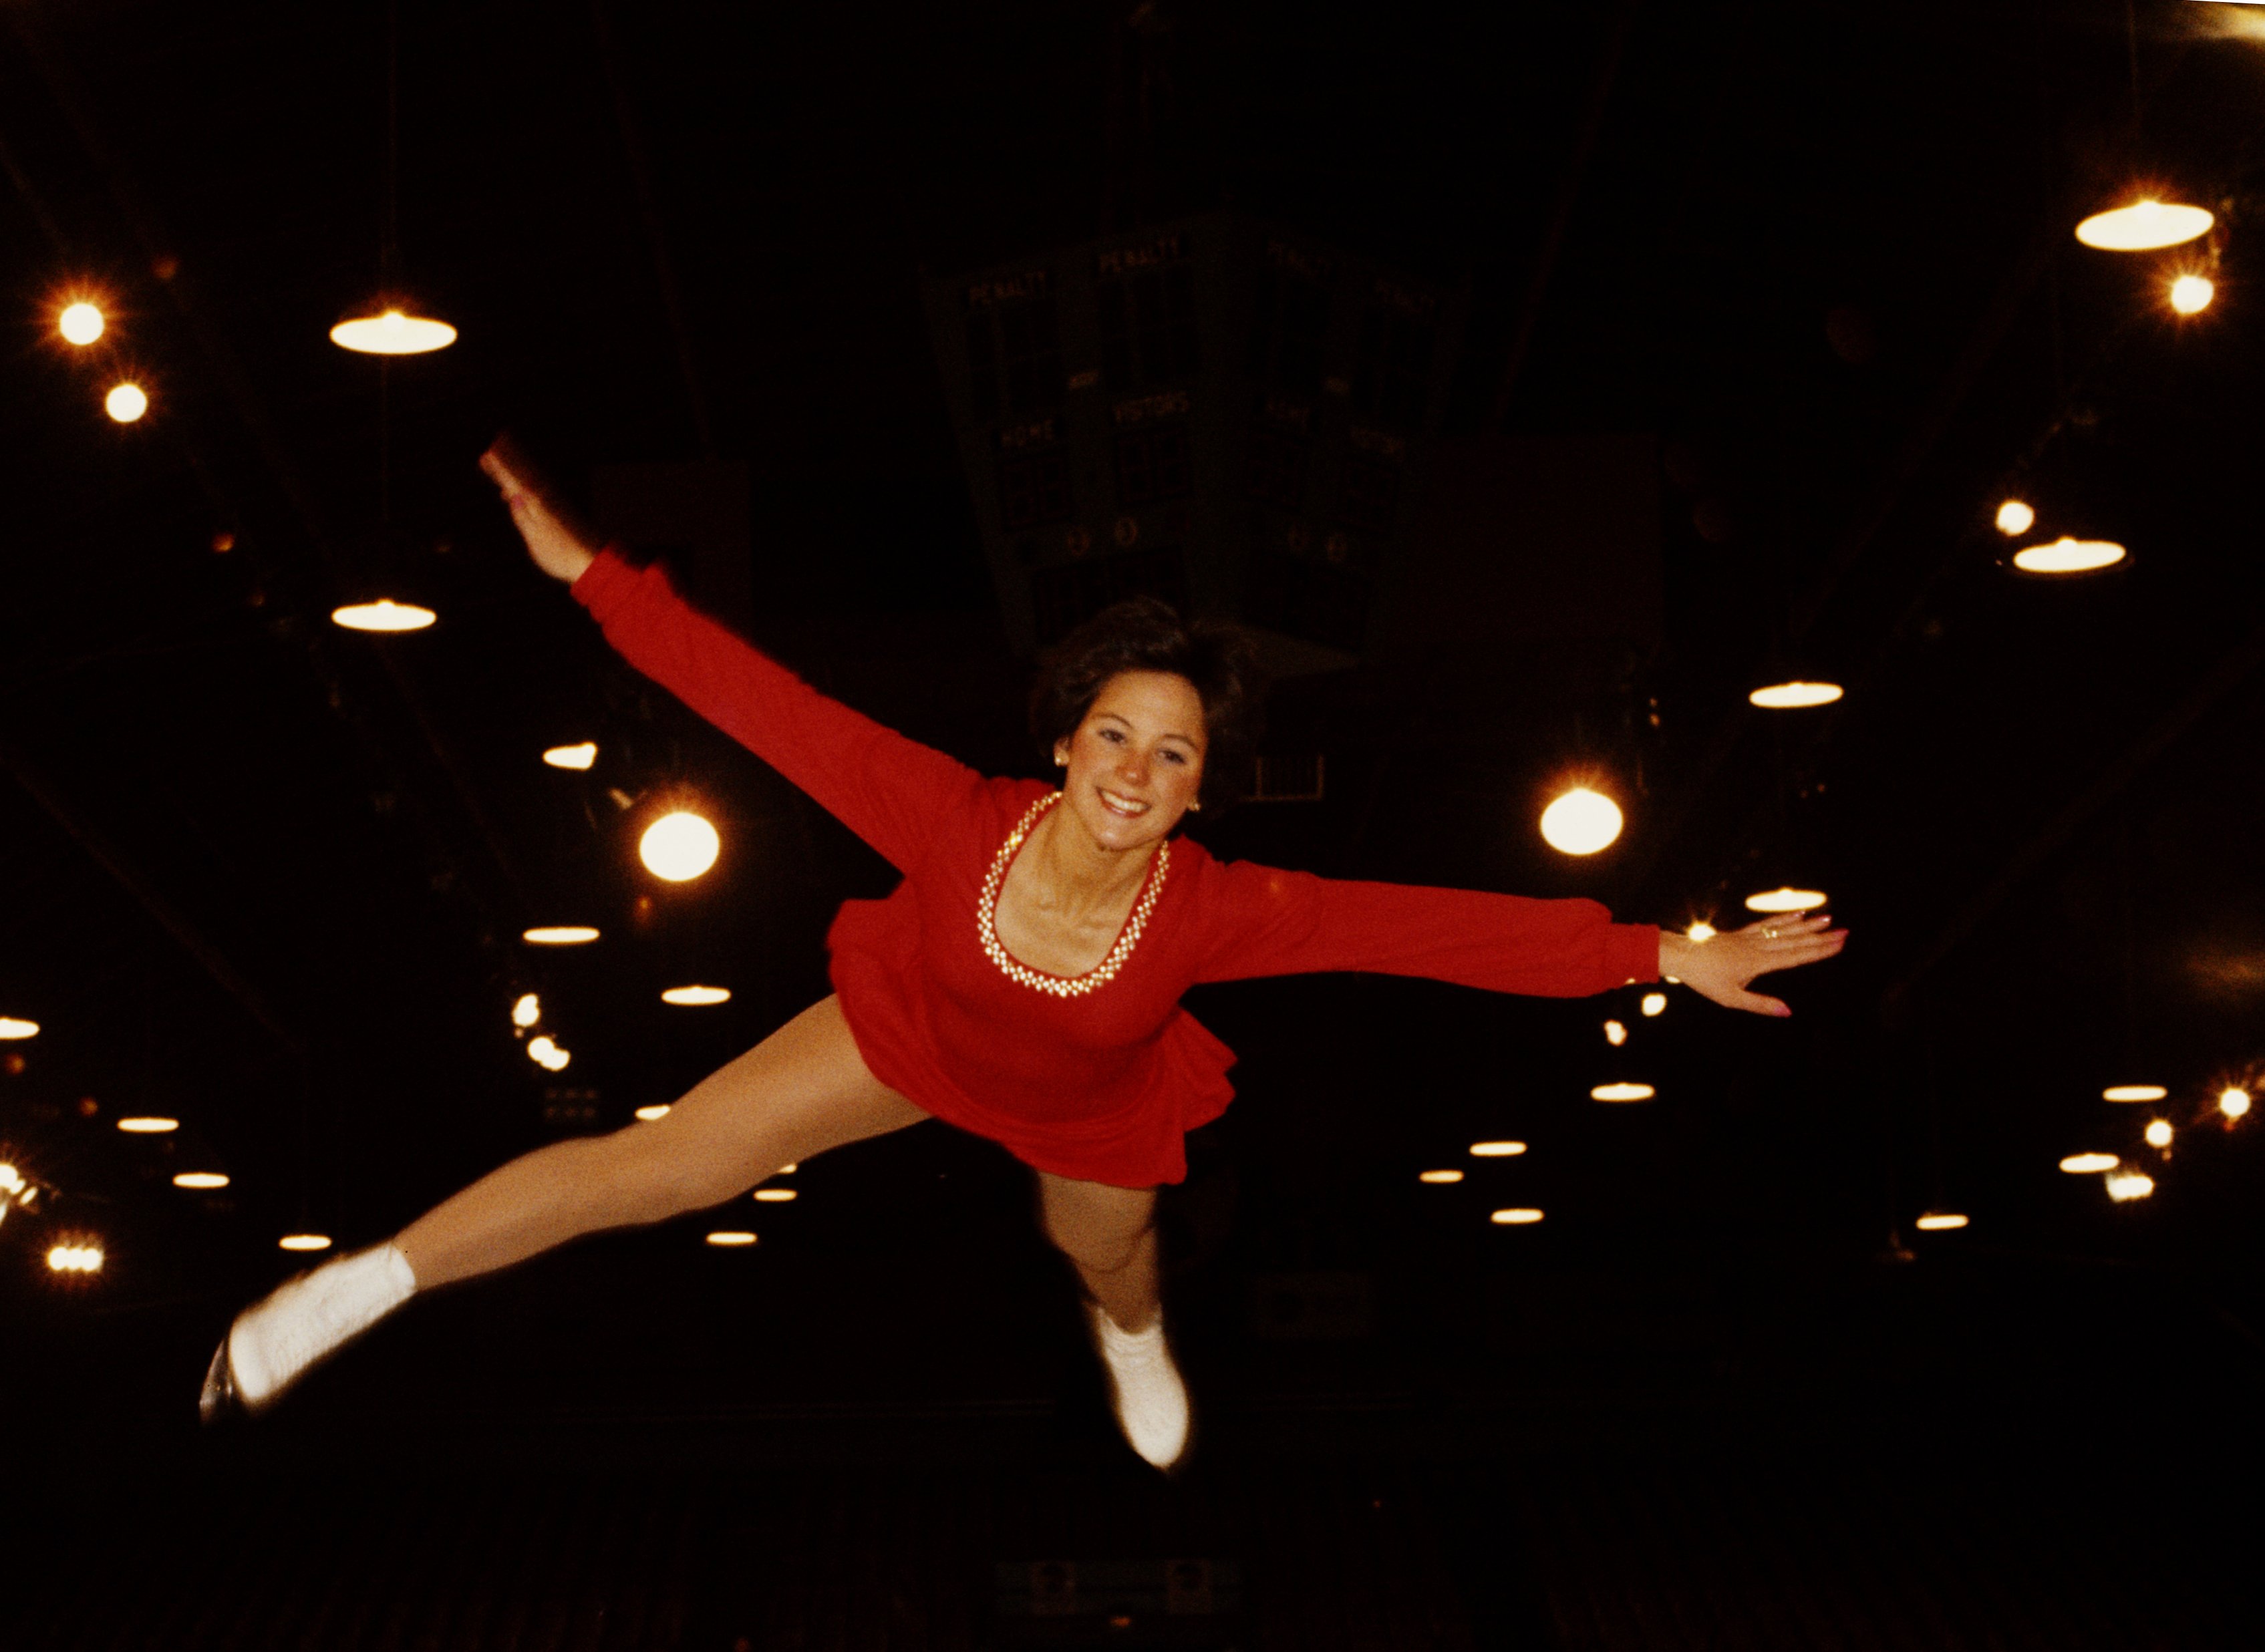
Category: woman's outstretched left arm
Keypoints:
(1261, 920)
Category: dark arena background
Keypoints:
(1539, 382)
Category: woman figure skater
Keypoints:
(1022, 981)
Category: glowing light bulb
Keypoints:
(1440, 1178)
(2143, 227)
(2068, 555)
(653, 1110)
(1496, 1149)
(393, 332)
(2015, 516)
(527, 1011)
(1653, 1003)
(148, 1126)
(1784, 900)
(384, 614)
(1581, 822)
(2158, 1132)
(731, 1238)
(572, 756)
(1615, 1034)
(696, 995)
(126, 403)
(775, 1196)
(12, 1027)
(1519, 1217)
(76, 1258)
(2234, 1103)
(560, 935)
(2126, 1185)
(201, 1179)
(1623, 1093)
(2191, 295)
(11, 1179)
(81, 324)
(304, 1242)
(679, 847)
(1788, 696)
(2133, 1093)
(541, 1046)
(1939, 1221)
(1700, 931)
(2089, 1163)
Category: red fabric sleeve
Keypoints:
(887, 789)
(1263, 921)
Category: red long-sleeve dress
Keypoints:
(1099, 1084)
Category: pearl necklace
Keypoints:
(1061, 985)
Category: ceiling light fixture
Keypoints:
(391, 327)
(696, 995)
(126, 403)
(728, 1239)
(2133, 1093)
(679, 847)
(1653, 1003)
(653, 1110)
(1615, 1034)
(1623, 1093)
(1496, 1149)
(2089, 1163)
(74, 1259)
(80, 324)
(1793, 696)
(2233, 1103)
(775, 1196)
(2126, 1185)
(201, 1179)
(572, 756)
(384, 614)
(2145, 226)
(1519, 1217)
(1581, 822)
(148, 1126)
(16, 1027)
(559, 934)
(304, 1242)
(1940, 1221)
(1783, 899)
(2190, 293)
(2015, 517)
(527, 1011)
(1440, 1178)
(392, 332)
(2067, 554)
(2158, 1132)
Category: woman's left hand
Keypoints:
(1720, 966)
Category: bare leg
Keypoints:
(1109, 1234)
(802, 1090)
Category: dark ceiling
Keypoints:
(266, 876)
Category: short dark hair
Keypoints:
(1219, 660)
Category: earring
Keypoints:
(1197, 805)
(1060, 761)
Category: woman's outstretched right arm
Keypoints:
(887, 789)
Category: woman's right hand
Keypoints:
(553, 545)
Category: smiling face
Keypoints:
(1136, 760)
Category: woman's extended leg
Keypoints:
(802, 1090)
(1108, 1233)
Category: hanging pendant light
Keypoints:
(392, 325)
(392, 332)
(2145, 226)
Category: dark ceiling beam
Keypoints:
(656, 234)
(1560, 214)
(138, 884)
(2231, 670)
(1881, 503)
(249, 408)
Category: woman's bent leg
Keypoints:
(802, 1090)
(1108, 1233)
